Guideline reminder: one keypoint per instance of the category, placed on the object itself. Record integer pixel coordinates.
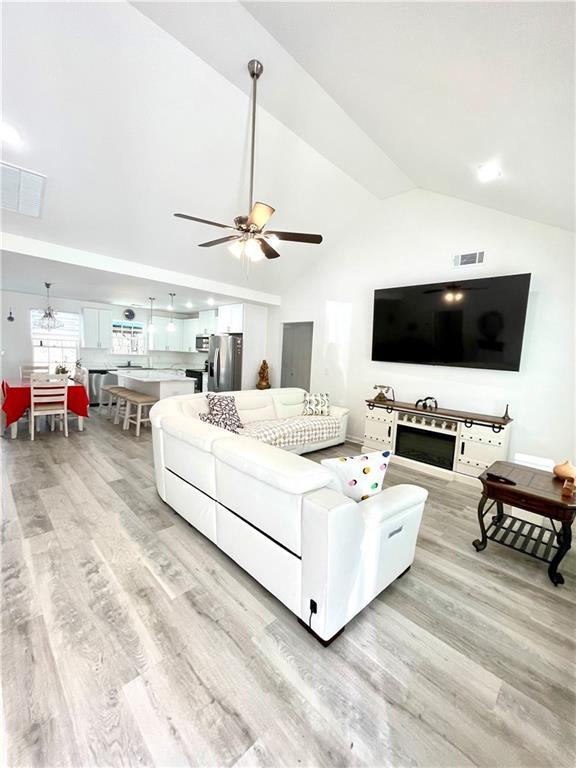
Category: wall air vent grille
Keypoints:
(468, 259)
(21, 191)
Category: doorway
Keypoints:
(296, 355)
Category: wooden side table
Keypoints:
(535, 491)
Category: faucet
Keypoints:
(129, 364)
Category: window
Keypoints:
(128, 338)
(59, 345)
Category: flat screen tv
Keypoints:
(465, 323)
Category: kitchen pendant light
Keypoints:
(49, 320)
(150, 328)
(171, 323)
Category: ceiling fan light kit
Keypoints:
(252, 243)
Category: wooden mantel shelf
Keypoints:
(465, 416)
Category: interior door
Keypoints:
(296, 355)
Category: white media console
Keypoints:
(437, 439)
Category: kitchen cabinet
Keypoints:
(97, 328)
(189, 332)
(230, 318)
(163, 340)
(207, 322)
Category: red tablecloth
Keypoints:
(17, 399)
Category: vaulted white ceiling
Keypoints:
(136, 111)
(438, 87)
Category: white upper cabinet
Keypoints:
(164, 340)
(230, 319)
(189, 333)
(207, 322)
(97, 328)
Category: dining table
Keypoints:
(16, 401)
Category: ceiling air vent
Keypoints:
(22, 191)
(468, 259)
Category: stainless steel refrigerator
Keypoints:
(225, 362)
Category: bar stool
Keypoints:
(110, 391)
(140, 400)
(120, 395)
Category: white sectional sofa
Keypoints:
(279, 515)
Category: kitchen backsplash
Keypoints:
(96, 358)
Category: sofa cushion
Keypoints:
(287, 471)
(359, 476)
(254, 406)
(288, 401)
(316, 404)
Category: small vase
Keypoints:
(565, 471)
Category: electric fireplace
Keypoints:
(436, 448)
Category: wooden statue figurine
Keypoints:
(263, 376)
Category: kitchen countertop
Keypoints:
(153, 376)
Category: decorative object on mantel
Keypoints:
(383, 395)
(250, 242)
(263, 376)
(49, 321)
(10, 317)
(565, 471)
(428, 403)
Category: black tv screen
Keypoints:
(466, 323)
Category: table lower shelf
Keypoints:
(532, 539)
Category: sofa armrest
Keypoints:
(339, 411)
(352, 551)
(332, 533)
(391, 501)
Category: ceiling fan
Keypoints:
(251, 242)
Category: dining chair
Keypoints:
(49, 397)
(27, 370)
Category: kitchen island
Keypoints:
(159, 384)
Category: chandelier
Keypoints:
(49, 321)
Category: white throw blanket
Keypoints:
(298, 430)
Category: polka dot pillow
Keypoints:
(359, 476)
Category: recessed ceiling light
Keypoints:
(10, 136)
(489, 171)
(210, 300)
(189, 305)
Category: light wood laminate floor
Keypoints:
(129, 640)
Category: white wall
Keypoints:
(16, 342)
(411, 239)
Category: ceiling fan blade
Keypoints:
(296, 237)
(260, 215)
(203, 221)
(269, 252)
(210, 243)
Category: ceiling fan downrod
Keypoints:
(255, 68)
